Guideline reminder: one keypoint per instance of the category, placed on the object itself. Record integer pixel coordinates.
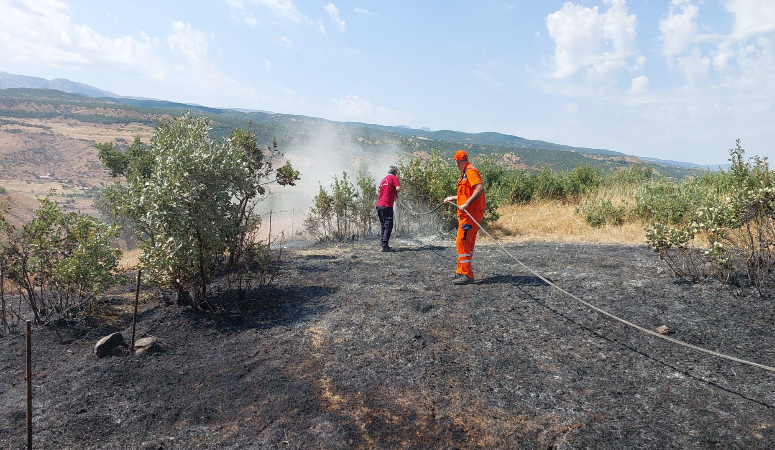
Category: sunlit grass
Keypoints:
(554, 221)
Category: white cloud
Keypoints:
(283, 41)
(588, 40)
(364, 11)
(640, 62)
(351, 106)
(291, 97)
(194, 69)
(570, 108)
(752, 17)
(267, 64)
(482, 72)
(251, 20)
(284, 9)
(678, 28)
(640, 85)
(694, 66)
(333, 12)
(42, 31)
(188, 41)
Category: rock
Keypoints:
(663, 330)
(105, 346)
(150, 344)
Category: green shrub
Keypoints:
(345, 213)
(598, 213)
(60, 260)
(192, 200)
(734, 217)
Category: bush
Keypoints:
(426, 180)
(546, 184)
(598, 213)
(192, 200)
(60, 260)
(735, 218)
(345, 213)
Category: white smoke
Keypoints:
(327, 153)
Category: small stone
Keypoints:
(105, 346)
(150, 344)
(663, 330)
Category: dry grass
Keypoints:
(130, 260)
(547, 221)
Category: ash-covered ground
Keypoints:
(354, 348)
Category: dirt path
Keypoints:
(360, 349)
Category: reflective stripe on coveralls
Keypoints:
(466, 238)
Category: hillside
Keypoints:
(47, 142)
(293, 130)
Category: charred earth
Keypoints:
(355, 348)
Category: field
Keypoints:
(38, 155)
(354, 348)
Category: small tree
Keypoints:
(68, 257)
(319, 220)
(192, 199)
(367, 201)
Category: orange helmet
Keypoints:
(460, 155)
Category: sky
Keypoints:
(670, 79)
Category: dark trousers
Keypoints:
(386, 223)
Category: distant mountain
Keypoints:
(487, 138)
(9, 80)
(687, 165)
(296, 127)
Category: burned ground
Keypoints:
(354, 348)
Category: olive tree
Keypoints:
(191, 199)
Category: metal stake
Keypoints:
(29, 385)
(134, 317)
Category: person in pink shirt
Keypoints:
(389, 188)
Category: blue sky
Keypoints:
(678, 79)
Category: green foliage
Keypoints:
(191, 199)
(666, 201)
(494, 180)
(347, 212)
(318, 222)
(599, 213)
(366, 201)
(425, 182)
(735, 217)
(126, 226)
(547, 184)
(60, 260)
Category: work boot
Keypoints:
(386, 248)
(462, 279)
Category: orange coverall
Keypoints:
(467, 229)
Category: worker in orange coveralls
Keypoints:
(470, 197)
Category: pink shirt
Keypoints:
(387, 191)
